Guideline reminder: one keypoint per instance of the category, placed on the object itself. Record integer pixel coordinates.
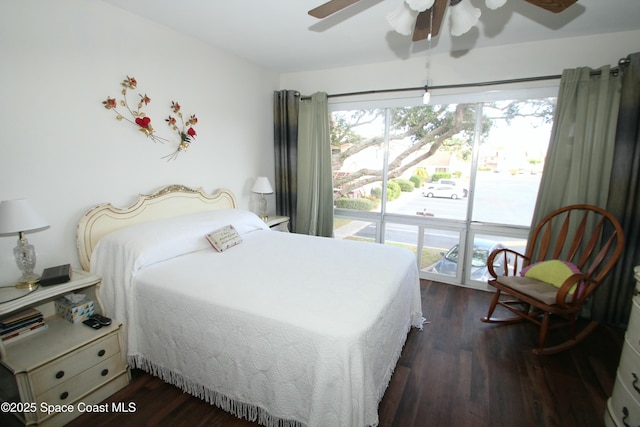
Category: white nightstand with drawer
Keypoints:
(623, 408)
(64, 365)
(278, 223)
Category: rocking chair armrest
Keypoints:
(507, 268)
(578, 287)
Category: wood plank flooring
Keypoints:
(458, 372)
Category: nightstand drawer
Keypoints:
(60, 370)
(633, 330)
(76, 387)
(622, 407)
(629, 372)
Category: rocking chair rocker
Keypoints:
(570, 253)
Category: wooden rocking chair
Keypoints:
(585, 241)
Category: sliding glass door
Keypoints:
(449, 181)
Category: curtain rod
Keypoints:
(451, 86)
(463, 85)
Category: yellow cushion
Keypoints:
(554, 272)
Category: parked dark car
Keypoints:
(448, 264)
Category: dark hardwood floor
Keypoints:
(458, 372)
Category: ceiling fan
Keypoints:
(431, 12)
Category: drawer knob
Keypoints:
(104, 372)
(64, 395)
(101, 353)
(59, 374)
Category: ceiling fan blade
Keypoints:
(330, 8)
(424, 21)
(555, 6)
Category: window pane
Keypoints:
(402, 235)
(511, 160)
(483, 245)
(354, 229)
(357, 156)
(441, 252)
(430, 160)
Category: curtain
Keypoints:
(580, 155)
(285, 117)
(315, 183)
(612, 302)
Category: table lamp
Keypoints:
(19, 217)
(262, 187)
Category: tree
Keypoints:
(428, 128)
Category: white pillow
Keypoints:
(155, 241)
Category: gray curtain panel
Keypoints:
(286, 104)
(580, 155)
(612, 302)
(315, 183)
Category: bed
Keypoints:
(283, 329)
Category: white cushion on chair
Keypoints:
(537, 289)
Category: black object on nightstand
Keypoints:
(56, 275)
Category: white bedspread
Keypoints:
(281, 328)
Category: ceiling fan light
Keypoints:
(463, 17)
(495, 4)
(420, 5)
(403, 19)
(426, 97)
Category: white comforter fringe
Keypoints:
(239, 409)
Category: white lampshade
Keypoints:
(463, 17)
(403, 19)
(19, 216)
(262, 186)
(420, 5)
(495, 4)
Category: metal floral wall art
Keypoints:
(142, 121)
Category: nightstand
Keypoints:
(65, 365)
(623, 407)
(278, 223)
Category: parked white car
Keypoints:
(456, 183)
(448, 191)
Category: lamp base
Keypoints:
(31, 285)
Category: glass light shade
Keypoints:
(426, 98)
(420, 5)
(403, 19)
(495, 4)
(463, 17)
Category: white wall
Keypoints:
(478, 65)
(64, 152)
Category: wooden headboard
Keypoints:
(167, 202)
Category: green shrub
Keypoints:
(440, 175)
(360, 204)
(405, 185)
(393, 190)
(417, 181)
